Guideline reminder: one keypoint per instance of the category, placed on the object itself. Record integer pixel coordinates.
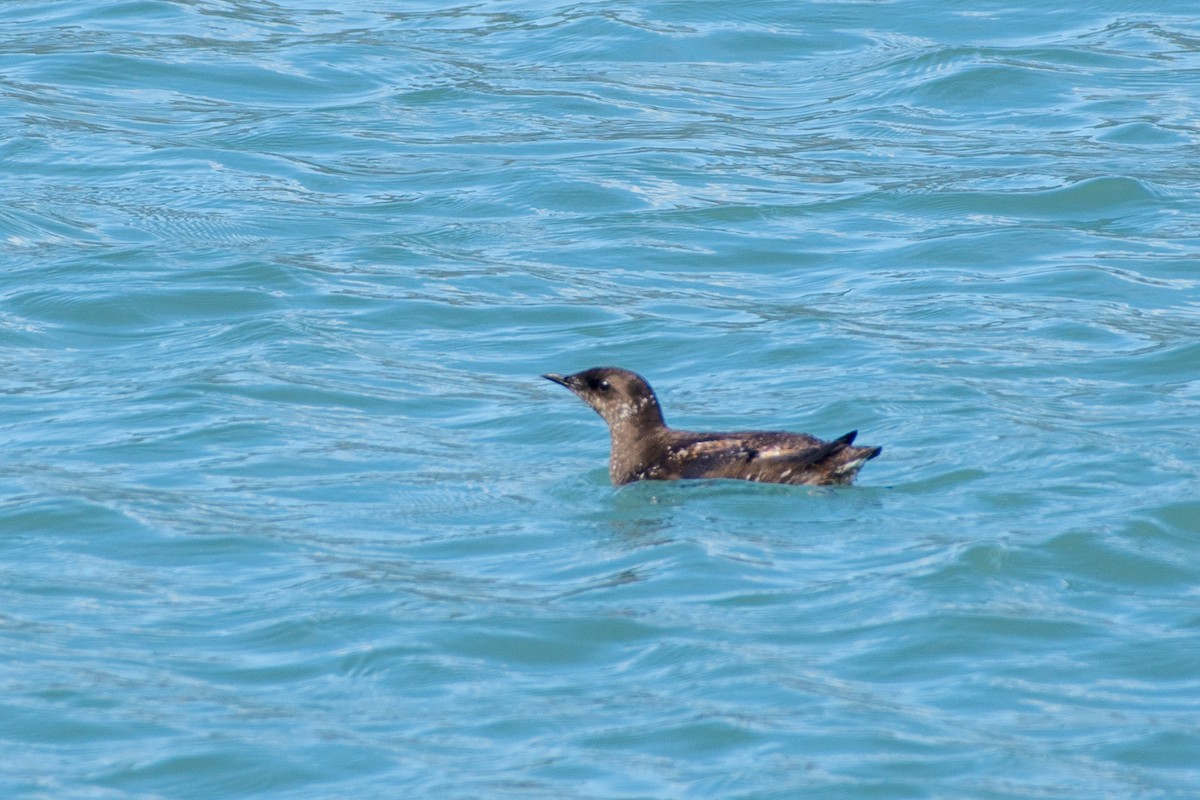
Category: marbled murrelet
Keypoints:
(644, 448)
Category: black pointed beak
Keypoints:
(559, 379)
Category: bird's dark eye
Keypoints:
(599, 385)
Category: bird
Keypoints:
(644, 448)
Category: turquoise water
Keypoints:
(286, 511)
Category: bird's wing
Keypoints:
(712, 457)
(743, 454)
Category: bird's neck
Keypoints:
(636, 443)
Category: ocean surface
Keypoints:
(286, 510)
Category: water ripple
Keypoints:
(288, 510)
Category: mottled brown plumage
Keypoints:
(644, 448)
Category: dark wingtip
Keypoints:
(847, 438)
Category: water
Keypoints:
(286, 511)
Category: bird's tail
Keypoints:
(846, 459)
